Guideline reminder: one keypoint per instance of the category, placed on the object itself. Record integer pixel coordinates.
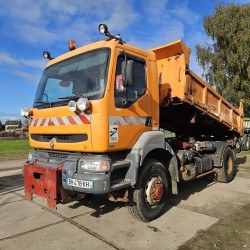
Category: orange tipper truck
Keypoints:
(98, 120)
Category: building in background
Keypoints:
(13, 125)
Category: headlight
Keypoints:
(103, 28)
(46, 55)
(96, 166)
(83, 104)
(72, 106)
(24, 112)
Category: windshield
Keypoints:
(84, 75)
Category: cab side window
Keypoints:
(125, 97)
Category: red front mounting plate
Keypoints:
(44, 182)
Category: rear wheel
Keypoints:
(228, 171)
(148, 200)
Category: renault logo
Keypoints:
(52, 143)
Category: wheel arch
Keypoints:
(152, 145)
(169, 161)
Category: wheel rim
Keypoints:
(229, 165)
(154, 191)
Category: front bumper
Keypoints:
(48, 178)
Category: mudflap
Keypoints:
(47, 183)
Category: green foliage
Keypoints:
(226, 62)
(14, 148)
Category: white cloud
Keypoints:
(9, 60)
(156, 10)
(20, 66)
(26, 75)
(34, 34)
(39, 63)
(5, 58)
(122, 15)
(47, 22)
(65, 7)
(183, 13)
(173, 30)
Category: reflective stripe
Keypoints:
(77, 119)
(55, 121)
(39, 122)
(71, 120)
(127, 120)
(32, 123)
(63, 120)
(46, 122)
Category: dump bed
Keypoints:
(189, 106)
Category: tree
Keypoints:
(226, 62)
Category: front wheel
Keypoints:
(228, 171)
(148, 200)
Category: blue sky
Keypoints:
(28, 27)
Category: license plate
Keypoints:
(80, 183)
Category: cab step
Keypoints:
(121, 164)
(121, 183)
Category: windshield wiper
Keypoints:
(71, 97)
(49, 103)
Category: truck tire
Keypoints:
(147, 201)
(228, 171)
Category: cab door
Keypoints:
(130, 109)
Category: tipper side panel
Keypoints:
(189, 106)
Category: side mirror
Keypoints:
(128, 73)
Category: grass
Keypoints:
(243, 153)
(14, 148)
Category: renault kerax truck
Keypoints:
(98, 120)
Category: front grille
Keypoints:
(60, 138)
(58, 155)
